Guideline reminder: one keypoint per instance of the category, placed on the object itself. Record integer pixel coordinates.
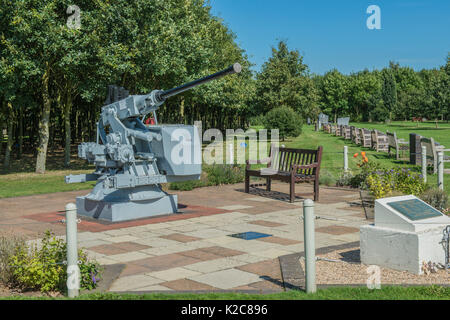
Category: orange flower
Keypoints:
(366, 160)
(363, 154)
(355, 155)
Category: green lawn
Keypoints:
(338, 293)
(333, 163)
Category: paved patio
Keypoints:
(194, 250)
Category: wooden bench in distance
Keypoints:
(379, 141)
(288, 165)
(432, 152)
(399, 145)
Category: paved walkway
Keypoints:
(194, 250)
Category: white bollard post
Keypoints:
(345, 158)
(73, 270)
(231, 147)
(441, 170)
(424, 163)
(310, 246)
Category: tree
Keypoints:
(284, 81)
(334, 90)
(286, 120)
(389, 96)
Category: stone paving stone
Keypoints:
(234, 207)
(249, 258)
(165, 262)
(132, 269)
(187, 285)
(278, 240)
(159, 251)
(131, 246)
(200, 255)
(128, 256)
(173, 274)
(265, 223)
(180, 237)
(227, 279)
(92, 243)
(125, 238)
(215, 265)
(106, 261)
(223, 240)
(107, 249)
(153, 288)
(260, 199)
(131, 283)
(337, 230)
(156, 242)
(208, 233)
(268, 268)
(220, 251)
(271, 253)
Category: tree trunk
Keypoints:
(43, 125)
(67, 129)
(20, 135)
(10, 123)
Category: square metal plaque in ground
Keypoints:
(250, 235)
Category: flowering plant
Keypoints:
(382, 183)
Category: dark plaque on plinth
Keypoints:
(415, 149)
(415, 209)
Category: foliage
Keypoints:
(345, 179)
(214, 175)
(326, 178)
(286, 120)
(42, 267)
(284, 81)
(436, 198)
(8, 245)
(382, 183)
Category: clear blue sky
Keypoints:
(333, 34)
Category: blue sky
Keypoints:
(333, 34)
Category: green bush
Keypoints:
(326, 178)
(383, 183)
(213, 175)
(8, 245)
(436, 198)
(42, 267)
(286, 120)
(345, 179)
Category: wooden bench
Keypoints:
(346, 132)
(432, 152)
(288, 165)
(337, 130)
(366, 138)
(399, 145)
(356, 136)
(379, 141)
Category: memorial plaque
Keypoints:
(415, 209)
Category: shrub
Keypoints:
(436, 198)
(224, 174)
(43, 267)
(383, 183)
(345, 179)
(286, 120)
(326, 178)
(8, 247)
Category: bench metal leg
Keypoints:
(292, 193)
(316, 189)
(247, 184)
(268, 184)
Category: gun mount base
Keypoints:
(127, 210)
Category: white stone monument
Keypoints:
(407, 232)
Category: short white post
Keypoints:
(73, 270)
(441, 170)
(310, 246)
(345, 158)
(231, 147)
(424, 163)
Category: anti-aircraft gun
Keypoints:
(133, 159)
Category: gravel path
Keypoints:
(349, 270)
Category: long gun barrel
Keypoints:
(163, 95)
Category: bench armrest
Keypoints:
(262, 161)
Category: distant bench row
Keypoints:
(388, 142)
